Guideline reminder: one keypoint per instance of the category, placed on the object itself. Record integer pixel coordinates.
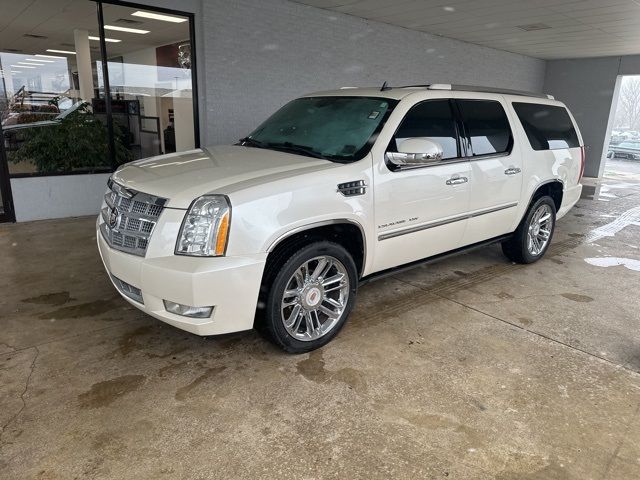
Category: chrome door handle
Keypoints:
(457, 180)
(512, 171)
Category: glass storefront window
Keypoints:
(53, 97)
(49, 84)
(150, 76)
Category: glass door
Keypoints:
(151, 81)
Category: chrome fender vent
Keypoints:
(352, 189)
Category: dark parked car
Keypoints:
(629, 149)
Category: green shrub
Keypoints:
(78, 142)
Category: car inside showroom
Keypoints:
(320, 239)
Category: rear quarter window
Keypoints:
(548, 127)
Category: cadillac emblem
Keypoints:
(113, 217)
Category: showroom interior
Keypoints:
(472, 367)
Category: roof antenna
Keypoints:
(385, 87)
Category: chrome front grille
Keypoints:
(129, 217)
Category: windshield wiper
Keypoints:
(250, 142)
(284, 146)
(291, 147)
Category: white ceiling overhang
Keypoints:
(547, 29)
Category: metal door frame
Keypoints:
(8, 214)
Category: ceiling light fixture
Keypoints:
(108, 40)
(15, 71)
(125, 29)
(38, 60)
(21, 66)
(31, 63)
(157, 16)
(47, 56)
(68, 52)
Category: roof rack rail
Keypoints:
(471, 88)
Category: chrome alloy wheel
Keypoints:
(315, 298)
(539, 231)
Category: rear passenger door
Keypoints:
(496, 167)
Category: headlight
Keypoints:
(205, 228)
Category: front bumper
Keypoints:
(229, 284)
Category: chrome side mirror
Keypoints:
(417, 151)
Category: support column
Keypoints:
(83, 62)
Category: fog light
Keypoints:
(187, 310)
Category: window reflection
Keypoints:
(52, 91)
(49, 83)
(431, 119)
(150, 78)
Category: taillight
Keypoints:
(583, 160)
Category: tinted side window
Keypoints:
(487, 126)
(547, 126)
(433, 119)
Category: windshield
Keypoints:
(340, 129)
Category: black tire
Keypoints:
(516, 248)
(273, 322)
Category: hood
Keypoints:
(182, 177)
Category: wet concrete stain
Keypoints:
(384, 308)
(557, 261)
(170, 353)
(313, 369)
(105, 393)
(577, 297)
(171, 368)
(633, 363)
(55, 299)
(87, 309)
(579, 215)
(525, 321)
(108, 445)
(504, 295)
(183, 392)
(128, 342)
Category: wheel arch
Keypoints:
(553, 188)
(348, 233)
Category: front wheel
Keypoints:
(531, 239)
(311, 297)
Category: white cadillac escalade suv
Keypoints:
(333, 189)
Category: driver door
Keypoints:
(421, 211)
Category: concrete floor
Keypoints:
(473, 368)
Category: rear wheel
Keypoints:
(531, 239)
(311, 297)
